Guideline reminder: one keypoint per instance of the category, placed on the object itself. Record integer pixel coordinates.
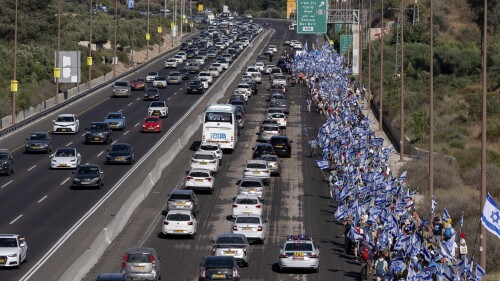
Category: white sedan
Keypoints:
(214, 71)
(200, 179)
(246, 205)
(65, 157)
(205, 160)
(257, 169)
(207, 75)
(252, 226)
(66, 123)
(171, 63)
(211, 146)
(179, 222)
(13, 250)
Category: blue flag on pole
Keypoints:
(491, 216)
(323, 164)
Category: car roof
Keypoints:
(9, 235)
(180, 212)
(199, 170)
(256, 161)
(66, 115)
(182, 191)
(251, 196)
(251, 179)
(249, 215)
(88, 165)
(204, 152)
(141, 250)
(209, 144)
(262, 144)
(229, 235)
(111, 276)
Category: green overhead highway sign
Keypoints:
(312, 16)
(345, 43)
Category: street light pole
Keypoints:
(147, 36)
(369, 55)
(381, 100)
(89, 58)
(115, 60)
(402, 103)
(360, 63)
(56, 96)
(482, 248)
(431, 105)
(13, 87)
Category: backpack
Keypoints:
(365, 253)
(381, 266)
(447, 233)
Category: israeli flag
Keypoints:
(446, 215)
(426, 274)
(491, 216)
(462, 220)
(341, 212)
(323, 164)
(425, 252)
(354, 235)
(402, 177)
(433, 205)
(303, 129)
(480, 273)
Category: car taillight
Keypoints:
(190, 223)
(313, 256)
(258, 206)
(259, 228)
(153, 261)
(235, 272)
(284, 119)
(279, 131)
(283, 256)
(189, 178)
(235, 228)
(235, 206)
(209, 179)
(157, 126)
(144, 125)
(165, 222)
(125, 258)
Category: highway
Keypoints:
(298, 203)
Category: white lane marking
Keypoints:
(175, 93)
(113, 142)
(126, 132)
(9, 182)
(43, 198)
(87, 163)
(137, 125)
(83, 134)
(169, 98)
(129, 104)
(13, 221)
(120, 110)
(100, 153)
(69, 143)
(180, 89)
(32, 167)
(137, 98)
(62, 183)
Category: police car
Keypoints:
(299, 252)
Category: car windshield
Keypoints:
(203, 157)
(247, 201)
(199, 174)
(139, 80)
(138, 257)
(230, 240)
(65, 119)
(114, 116)
(87, 170)
(211, 262)
(8, 243)
(302, 247)
(120, 147)
(152, 90)
(251, 184)
(38, 137)
(4, 156)
(195, 83)
(121, 84)
(159, 78)
(99, 126)
(270, 158)
(209, 147)
(275, 140)
(270, 128)
(218, 117)
(178, 217)
(247, 220)
(256, 166)
(152, 74)
(180, 196)
(65, 153)
(151, 120)
(174, 74)
(157, 104)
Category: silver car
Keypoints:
(273, 163)
(234, 245)
(251, 186)
(121, 89)
(141, 263)
(268, 131)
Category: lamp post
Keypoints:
(147, 36)
(13, 82)
(401, 98)
(361, 46)
(482, 248)
(369, 55)
(115, 59)
(57, 70)
(89, 58)
(381, 100)
(431, 110)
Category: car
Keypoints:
(38, 142)
(214, 71)
(200, 179)
(184, 73)
(272, 110)
(246, 205)
(174, 77)
(212, 53)
(279, 117)
(171, 63)
(120, 153)
(193, 67)
(152, 94)
(121, 89)
(273, 163)
(66, 123)
(207, 75)
(205, 160)
(254, 87)
(297, 46)
(160, 82)
(13, 250)
(88, 175)
(182, 199)
(204, 82)
(152, 124)
(150, 77)
(238, 96)
(261, 149)
(158, 108)
(183, 54)
(223, 62)
(246, 88)
(283, 104)
(267, 121)
(179, 59)
(184, 46)
(180, 222)
(273, 48)
(267, 131)
(113, 277)
(228, 57)
(141, 263)
(252, 226)
(195, 87)
(282, 145)
(233, 245)
(213, 147)
(299, 252)
(200, 60)
(218, 268)
(279, 79)
(251, 186)
(293, 42)
(256, 77)
(291, 27)
(65, 157)
(190, 53)
(240, 116)
(218, 65)
(286, 42)
(267, 68)
(98, 132)
(115, 120)
(7, 162)
(257, 169)
(239, 103)
(138, 84)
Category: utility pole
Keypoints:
(416, 13)
(89, 58)
(482, 248)
(57, 71)
(362, 18)
(402, 103)
(182, 18)
(13, 83)
(431, 105)
(115, 59)
(147, 36)
(381, 99)
(398, 43)
(133, 37)
(369, 91)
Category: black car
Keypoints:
(282, 64)
(184, 46)
(120, 153)
(152, 94)
(282, 145)
(184, 73)
(99, 132)
(283, 104)
(253, 85)
(191, 53)
(88, 175)
(219, 268)
(38, 142)
(261, 149)
(7, 163)
(195, 87)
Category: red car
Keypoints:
(138, 84)
(152, 124)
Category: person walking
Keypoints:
(381, 267)
(308, 102)
(313, 144)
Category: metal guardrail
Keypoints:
(34, 117)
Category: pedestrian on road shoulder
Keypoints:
(308, 102)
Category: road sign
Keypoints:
(312, 16)
(345, 43)
(338, 27)
(131, 4)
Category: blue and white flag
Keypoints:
(480, 273)
(433, 205)
(426, 274)
(303, 128)
(448, 273)
(462, 220)
(491, 216)
(446, 215)
(402, 177)
(323, 164)
(355, 235)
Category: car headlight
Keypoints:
(94, 179)
(72, 160)
(54, 160)
(76, 179)
(12, 255)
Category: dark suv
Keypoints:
(195, 87)
(183, 200)
(219, 268)
(38, 142)
(261, 149)
(99, 132)
(7, 163)
(282, 145)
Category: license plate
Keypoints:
(120, 158)
(252, 190)
(180, 203)
(137, 268)
(247, 228)
(256, 172)
(221, 276)
(298, 258)
(2, 261)
(151, 128)
(246, 213)
(36, 146)
(203, 163)
(230, 252)
(199, 180)
(64, 130)
(84, 182)
(63, 165)
(178, 231)
(279, 146)
(96, 139)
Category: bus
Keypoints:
(221, 126)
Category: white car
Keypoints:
(279, 79)
(179, 59)
(199, 60)
(251, 186)
(200, 179)
(252, 226)
(158, 108)
(245, 87)
(64, 158)
(293, 42)
(224, 63)
(298, 45)
(171, 63)
(252, 69)
(204, 82)
(214, 71)
(218, 65)
(205, 160)
(273, 48)
(256, 77)
(212, 146)
(180, 222)
(228, 57)
(66, 123)
(259, 65)
(267, 131)
(13, 250)
(207, 75)
(257, 169)
(160, 82)
(183, 54)
(246, 205)
(299, 252)
(279, 117)
(291, 27)
(150, 77)
(268, 67)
